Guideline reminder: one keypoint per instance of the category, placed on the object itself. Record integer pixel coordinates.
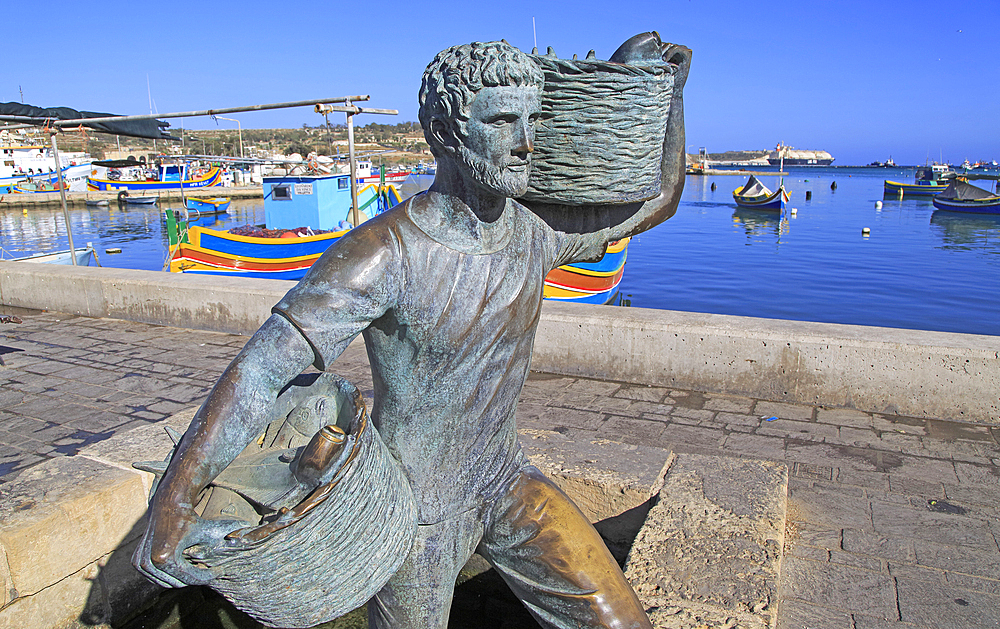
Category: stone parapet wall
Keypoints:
(884, 370)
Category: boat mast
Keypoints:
(781, 167)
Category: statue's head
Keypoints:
(458, 123)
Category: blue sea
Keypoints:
(918, 268)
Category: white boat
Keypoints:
(25, 158)
(83, 256)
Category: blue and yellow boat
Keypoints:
(589, 282)
(753, 194)
(928, 181)
(168, 177)
(207, 207)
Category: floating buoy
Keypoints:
(878, 205)
(113, 250)
(794, 211)
(809, 194)
(865, 231)
(833, 186)
(713, 186)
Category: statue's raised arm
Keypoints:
(600, 169)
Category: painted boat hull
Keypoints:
(83, 257)
(775, 201)
(207, 207)
(990, 205)
(211, 178)
(74, 175)
(588, 282)
(913, 189)
(20, 190)
(389, 178)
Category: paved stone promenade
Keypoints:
(893, 521)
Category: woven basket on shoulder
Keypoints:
(601, 136)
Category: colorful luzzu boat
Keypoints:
(169, 177)
(289, 255)
(753, 194)
(207, 207)
(927, 182)
(589, 282)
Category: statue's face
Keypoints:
(500, 136)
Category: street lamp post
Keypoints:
(240, 127)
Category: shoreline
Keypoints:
(80, 198)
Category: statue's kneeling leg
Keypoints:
(419, 594)
(555, 561)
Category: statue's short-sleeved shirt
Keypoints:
(449, 337)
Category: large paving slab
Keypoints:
(709, 553)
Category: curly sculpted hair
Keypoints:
(456, 75)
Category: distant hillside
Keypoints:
(730, 157)
(737, 156)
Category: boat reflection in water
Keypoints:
(758, 223)
(963, 231)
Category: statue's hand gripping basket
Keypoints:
(600, 140)
(328, 522)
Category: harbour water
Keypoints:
(918, 268)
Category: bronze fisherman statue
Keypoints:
(447, 290)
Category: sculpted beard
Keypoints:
(510, 183)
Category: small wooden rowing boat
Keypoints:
(83, 256)
(754, 194)
(207, 207)
(125, 197)
(961, 196)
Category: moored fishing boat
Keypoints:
(754, 194)
(207, 207)
(83, 256)
(928, 181)
(961, 196)
(125, 197)
(140, 178)
(32, 187)
(27, 160)
(304, 215)
(589, 282)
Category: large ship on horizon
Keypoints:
(795, 157)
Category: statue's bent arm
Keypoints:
(238, 407)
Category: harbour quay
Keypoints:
(45, 199)
(746, 472)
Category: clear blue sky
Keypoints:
(864, 80)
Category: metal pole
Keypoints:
(62, 194)
(239, 126)
(212, 112)
(353, 166)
